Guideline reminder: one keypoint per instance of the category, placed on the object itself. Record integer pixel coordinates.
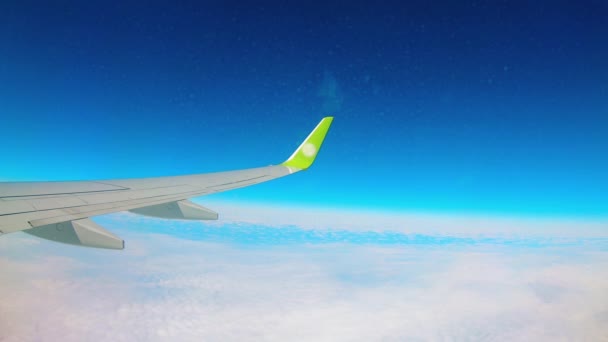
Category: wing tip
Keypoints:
(304, 156)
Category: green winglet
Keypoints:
(305, 155)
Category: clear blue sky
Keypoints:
(481, 107)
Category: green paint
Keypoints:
(305, 155)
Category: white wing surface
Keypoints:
(60, 211)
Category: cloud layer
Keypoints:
(282, 286)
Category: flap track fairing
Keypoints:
(83, 232)
(180, 210)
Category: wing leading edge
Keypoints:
(60, 211)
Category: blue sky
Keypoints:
(477, 108)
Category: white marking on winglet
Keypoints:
(309, 150)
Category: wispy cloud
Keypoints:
(330, 93)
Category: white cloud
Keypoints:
(166, 288)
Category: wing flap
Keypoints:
(24, 189)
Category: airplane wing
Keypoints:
(60, 211)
